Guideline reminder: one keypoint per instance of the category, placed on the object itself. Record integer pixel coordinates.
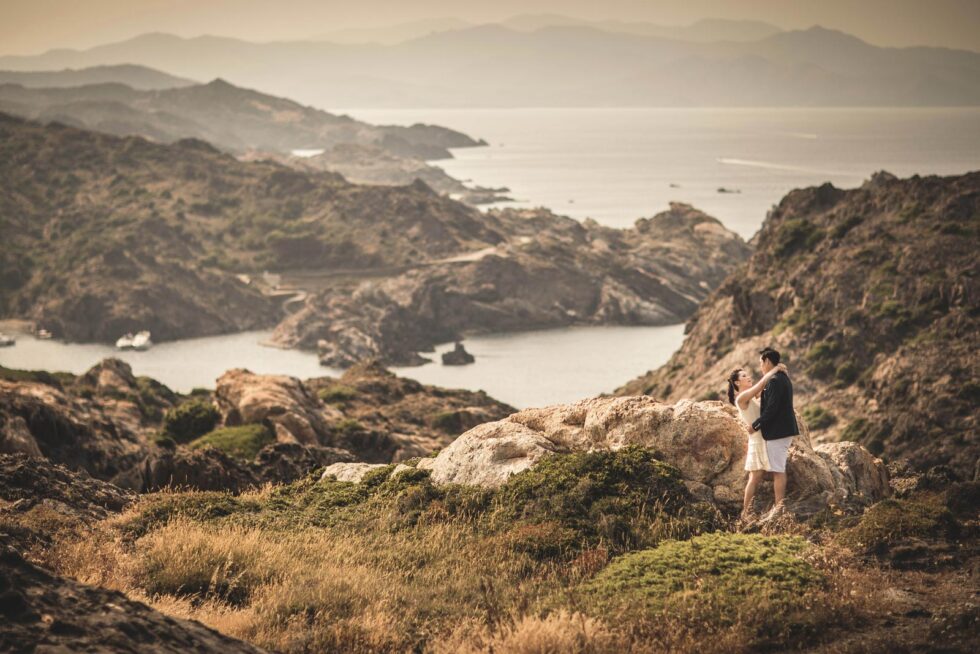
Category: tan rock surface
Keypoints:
(706, 441)
(296, 414)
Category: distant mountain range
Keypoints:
(137, 77)
(708, 64)
(711, 29)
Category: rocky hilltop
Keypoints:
(243, 122)
(549, 271)
(106, 235)
(230, 117)
(251, 430)
(110, 235)
(873, 295)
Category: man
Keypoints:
(777, 422)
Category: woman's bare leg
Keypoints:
(755, 476)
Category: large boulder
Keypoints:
(295, 413)
(706, 441)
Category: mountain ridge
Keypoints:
(491, 65)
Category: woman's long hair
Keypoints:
(732, 384)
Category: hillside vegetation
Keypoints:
(873, 295)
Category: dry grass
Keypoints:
(407, 567)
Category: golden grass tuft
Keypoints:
(405, 566)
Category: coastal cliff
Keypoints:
(550, 271)
(871, 294)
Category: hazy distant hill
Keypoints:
(233, 118)
(706, 30)
(492, 65)
(711, 29)
(393, 34)
(138, 77)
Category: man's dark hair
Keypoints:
(770, 355)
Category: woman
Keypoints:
(745, 396)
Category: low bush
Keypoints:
(797, 234)
(242, 442)
(818, 417)
(753, 588)
(620, 499)
(893, 520)
(337, 394)
(190, 420)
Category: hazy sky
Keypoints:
(32, 26)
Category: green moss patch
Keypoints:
(242, 442)
(723, 570)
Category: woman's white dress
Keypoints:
(756, 459)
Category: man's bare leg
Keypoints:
(755, 476)
(779, 487)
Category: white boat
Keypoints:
(44, 334)
(7, 341)
(125, 342)
(142, 341)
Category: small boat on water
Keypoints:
(139, 341)
(44, 334)
(6, 340)
(142, 341)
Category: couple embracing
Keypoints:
(767, 409)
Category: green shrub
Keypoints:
(846, 225)
(856, 430)
(893, 520)
(348, 427)
(448, 421)
(724, 570)
(242, 442)
(39, 376)
(797, 234)
(190, 420)
(847, 372)
(608, 497)
(337, 393)
(821, 358)
(818, 417)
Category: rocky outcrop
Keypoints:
(112, 235)
(43, 612)
(458, 356)
(871, 296)
(705, 441)
(551, 271)
(39, 500)
(353, 472)
(294, 412)
(282, 463)
(388, 418)
(38, 418)
(107, 423)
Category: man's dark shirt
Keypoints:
(776, 417)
